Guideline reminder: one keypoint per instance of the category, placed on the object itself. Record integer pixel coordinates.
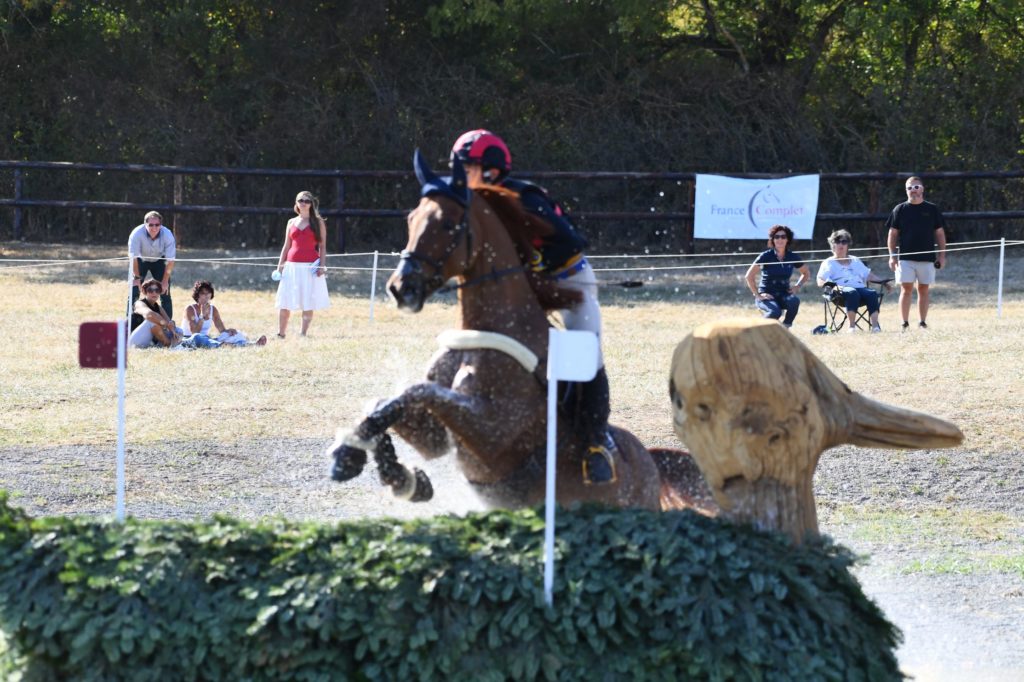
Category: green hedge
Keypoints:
(637, 596)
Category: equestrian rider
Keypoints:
(487, 161)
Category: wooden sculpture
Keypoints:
(756, 409)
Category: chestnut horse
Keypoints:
(485, 390)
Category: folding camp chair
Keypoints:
(835, 307)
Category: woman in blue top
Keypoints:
(773, 294)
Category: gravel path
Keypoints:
(959, 624)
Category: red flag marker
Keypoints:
(97, 345)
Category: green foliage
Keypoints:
(638, 596)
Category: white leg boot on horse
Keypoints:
(349, 455)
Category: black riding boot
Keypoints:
(591, 410)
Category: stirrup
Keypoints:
(599, 466)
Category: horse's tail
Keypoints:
(682, 485)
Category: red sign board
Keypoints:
(97, 344)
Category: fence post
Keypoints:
(177, 200)
(874, 234)
(999, 296)
(373, 283)
(339, 192)
(17, 197)
(688, 241)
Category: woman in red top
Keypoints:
(302, 265)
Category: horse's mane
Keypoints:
(523, 228)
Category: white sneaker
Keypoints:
(875, 329)
(852, 330)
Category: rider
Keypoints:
(487, 160)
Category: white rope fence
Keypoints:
(270, 262)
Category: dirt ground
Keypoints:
(958, 624)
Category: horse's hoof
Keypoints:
(424, 490)
(348, 463)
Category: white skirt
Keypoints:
(301, 289)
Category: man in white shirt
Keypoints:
(151, 248)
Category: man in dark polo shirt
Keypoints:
(915, 227)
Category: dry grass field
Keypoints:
(965, 368)
(242, 431)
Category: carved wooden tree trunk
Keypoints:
(756, 409)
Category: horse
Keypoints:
(485, 390)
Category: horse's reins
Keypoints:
(492, 275)
(436, 282)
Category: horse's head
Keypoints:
(439, 245)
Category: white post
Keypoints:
(122, 345)
(122, 339)
(999, 296)
(549, 500)
(373, 284)
(572, 356)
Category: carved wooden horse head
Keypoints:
(757, 409)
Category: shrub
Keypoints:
(638, 595)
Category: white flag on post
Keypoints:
(572, 356)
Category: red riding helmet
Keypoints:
(484, 148)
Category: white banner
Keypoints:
(735, 208)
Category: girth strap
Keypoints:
(470, 339)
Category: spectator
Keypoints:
(202, 316)
(915, 226)
(156, 328)
(851, 276)
(151, 248)
(302, 265)
(774, 295)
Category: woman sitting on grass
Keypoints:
(157, 328)
(202, 316)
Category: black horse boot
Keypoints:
(593, 408)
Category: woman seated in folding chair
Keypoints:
(849, 277)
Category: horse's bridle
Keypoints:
(436, 281)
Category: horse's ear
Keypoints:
(458, 183)
(424, 175)
(430, 183)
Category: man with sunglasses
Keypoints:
(151, 248)
(915, 227)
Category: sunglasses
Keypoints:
(779, 235)
(152, 290)
(841, 241)
(303, 201)
(915, 187)
(152, 224)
